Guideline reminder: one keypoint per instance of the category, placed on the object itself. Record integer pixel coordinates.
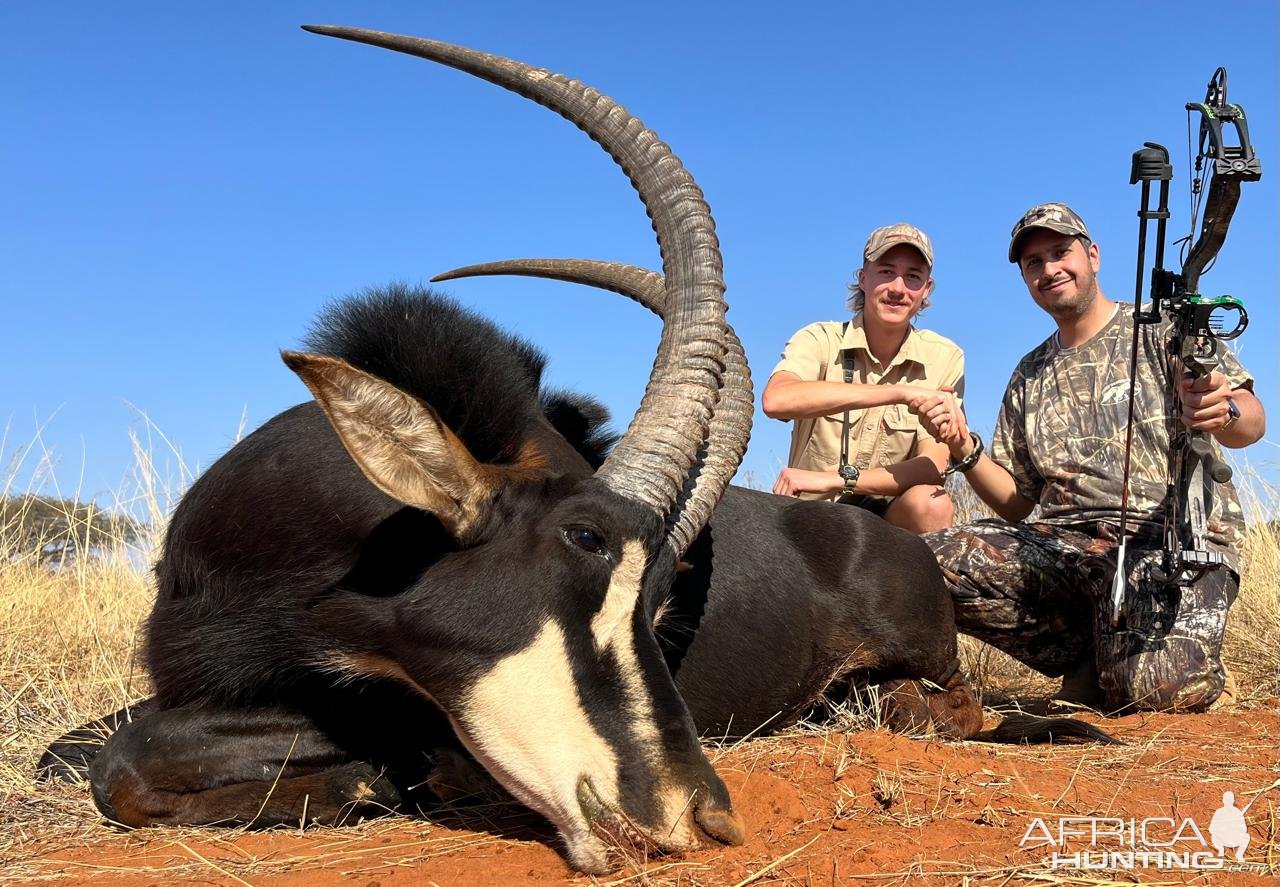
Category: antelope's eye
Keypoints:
(585, 538)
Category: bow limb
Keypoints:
(1220, 205)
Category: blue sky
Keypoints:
(185, 189)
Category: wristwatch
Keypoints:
(849, 474)
(1233, 415)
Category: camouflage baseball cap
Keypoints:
(1054, 216)
(884, 239)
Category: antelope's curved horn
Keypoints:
(731, 422)
(652, 460)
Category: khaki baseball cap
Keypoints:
(884, 239)
(1054, 216)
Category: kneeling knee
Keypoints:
(923, 509)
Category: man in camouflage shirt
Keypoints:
(1040, 591)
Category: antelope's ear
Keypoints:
(399, 442)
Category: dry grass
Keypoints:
(69, 650)
(68, 655)
(1252, 646)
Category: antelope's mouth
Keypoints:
(607, 835)
(593, 807)
(611, 825)
(600, 846)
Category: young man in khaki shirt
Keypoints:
(856, 441)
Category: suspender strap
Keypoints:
(847, 359)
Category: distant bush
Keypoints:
(55, 531)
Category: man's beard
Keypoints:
(1087, 292)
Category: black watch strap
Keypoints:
(968, 461)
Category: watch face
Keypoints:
(848, 472)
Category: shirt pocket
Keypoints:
(900, 428)
(824, 443)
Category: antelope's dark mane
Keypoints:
(484, 383)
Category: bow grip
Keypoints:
(1218, 470)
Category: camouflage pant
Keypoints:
(1042, 594)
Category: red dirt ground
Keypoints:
(822, 808)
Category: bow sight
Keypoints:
(1196, 325)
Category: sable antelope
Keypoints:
(435, 547)
(425, 532)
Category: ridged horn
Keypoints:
(730, 426)
(652, 460)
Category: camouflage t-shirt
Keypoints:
(1061, 431)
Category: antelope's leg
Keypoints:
(947, 706)
(256, 767)
(68, 757)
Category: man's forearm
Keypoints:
(892, 481)
(792, 398)
(995, 487)
(897, 479)
(993, 484)
(809, 400)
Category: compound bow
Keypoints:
(1197, 324)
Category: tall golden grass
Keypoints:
(68, 651)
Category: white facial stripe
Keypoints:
(613, 629)
(538, 758)
(525, 722)
(514, 728)
(620, 599)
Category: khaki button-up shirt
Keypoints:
(879, 436)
